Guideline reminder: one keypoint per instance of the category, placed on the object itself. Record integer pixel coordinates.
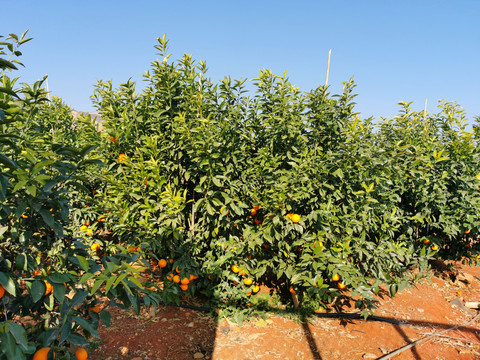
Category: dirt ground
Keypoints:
(415, 313)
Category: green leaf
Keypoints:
(19, 334)
(77, 340)
(47, 217)
(37, 290)
(78, 298)
(7, 283)
(86, 325)
(105, 317)
(97, 285)
(4, 64)
(83, 262)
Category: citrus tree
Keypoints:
(50, 278)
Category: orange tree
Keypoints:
(292, 189)
(51, 278)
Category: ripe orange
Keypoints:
(434, 247)
(42, 354)
(95, 308)
(467, 231)
(341, 285)
(101, 219)
(184, 287)
(171, 261)
(248, 281)
(319, 243)
(292, 290)
(121, 158)
(289, 216)
(426, 241)
(162, 263)
(256, 289)
(335, 277)
(185, 281)
(49, 288)
(235, 269)
(253, 212)
(249, 293)
(295, 218)
(95, 247)
(176, 279)
(177, 270)
(2, 291)
(81, 354)
(193, 277)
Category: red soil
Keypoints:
(178, 333)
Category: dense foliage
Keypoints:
(229, 189)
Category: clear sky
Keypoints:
(395, 50)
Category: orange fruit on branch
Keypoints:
(42, 354)
(295, 218)
(121, 158)
(256, 289)
(49, 288)
(426, 241)
(81, 354)
(434, 247)
(95, 247)
(162, 263)
(184, 287)
(176, 279)
(292, 290)
(248, 281)
(335, 277)
(185, 281)
(95, 309)
(341, 285)
(235, 269)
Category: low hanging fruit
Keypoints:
(49, 288)
(42, 354)
(81, 354)
(335, 277)
(162, 263)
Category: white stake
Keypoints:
(48, 92)
(328, 67)
(425, 110)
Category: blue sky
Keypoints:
(395, 50)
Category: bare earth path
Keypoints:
(179, 334)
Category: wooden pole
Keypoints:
(328, 67)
